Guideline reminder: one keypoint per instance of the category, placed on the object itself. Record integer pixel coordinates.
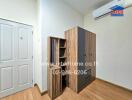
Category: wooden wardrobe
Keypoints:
(75, 54)
(81, 49)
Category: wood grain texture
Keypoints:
(48, 62)
(71, 38)
(98, 90)
(90, 49)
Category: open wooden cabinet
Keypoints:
(57, 57)
(79, 46)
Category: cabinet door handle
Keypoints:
(90, 54)
(85, 55)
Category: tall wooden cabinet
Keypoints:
(57, 58)
(81, 53)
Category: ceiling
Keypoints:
(84, 6)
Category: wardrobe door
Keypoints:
(93, 53)
(88, 49)
(81, 59)
(90, 39)
(54, 82)
(71, 38)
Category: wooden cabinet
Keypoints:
(81, 53)
(55, 84)
(57, 58)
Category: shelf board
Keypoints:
(63, 65)
(62, 57)
(62, 47)
(64, 75)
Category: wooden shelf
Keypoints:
(64, 75)
(62, 43)
(63, 65)
(62, 57)
(62, 47)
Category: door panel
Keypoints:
(82, 78)
(16, 64)
(91, 53)
(6, 42)
(23, 43)
(72, 48)
(23, 74)
(6, 78)
(81, 48)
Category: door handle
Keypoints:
(85, 55)
(21, 38)
(90, 54)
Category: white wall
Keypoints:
(38, 67)
(24, 11)
(114, 48)
(56, 17)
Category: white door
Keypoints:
(16, 54)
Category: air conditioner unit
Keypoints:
(107, 8)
